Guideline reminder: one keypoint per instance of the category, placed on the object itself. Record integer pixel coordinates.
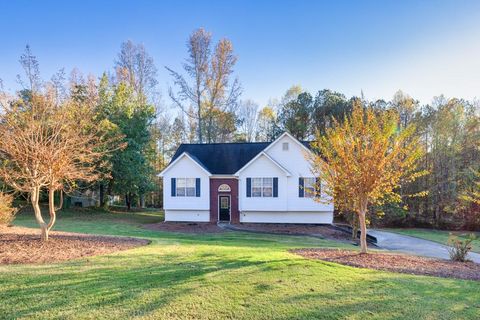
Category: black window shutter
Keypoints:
(249, 187)
(174, 187)
(318, 187)
(301, 191)
(197, 187)
(275, 187)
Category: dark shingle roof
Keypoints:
(223, 158)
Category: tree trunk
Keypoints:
(60, 205)
(354, 227)
(51, 209)
(101, 191)
(437, 216)
(363, 231)
(200, 120)
(34, 199)
(108, 193)
(209, 129)
(142, 201)
(128, 202)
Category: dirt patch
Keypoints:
(396, 263)
(324, 231)
(185, 227)
(23, 245)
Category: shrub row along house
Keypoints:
(243, 183)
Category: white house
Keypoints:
(257, 182)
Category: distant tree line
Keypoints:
(449, 133)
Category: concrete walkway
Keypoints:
(412, 245)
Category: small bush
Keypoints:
(458, 248)
(7, 212)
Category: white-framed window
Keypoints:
(185, 187)
(309, 187)
(256, 187)
(285, 146)
(262, 187)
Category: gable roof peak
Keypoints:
(264, 154)
(225, 158)
(303, 144)
(191, 157)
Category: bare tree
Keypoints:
(4, 97)
(31, 68)
(136, 67)
(192, 125)
(248, 114)
(210, 89)
(83, 90)
(57, 86)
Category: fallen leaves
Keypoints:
(396, 263)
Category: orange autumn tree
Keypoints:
(363, 160)
(49, 146)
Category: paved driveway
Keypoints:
(397, 242)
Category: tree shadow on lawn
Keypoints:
(139, 283)
(247, 240)
(375, 294)
(113, 282)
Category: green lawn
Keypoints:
(233, 275)
(440, 236)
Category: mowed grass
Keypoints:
(218, 276)
(440, 236)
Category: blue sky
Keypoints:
(422, 47)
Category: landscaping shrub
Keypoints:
(458, 248)
(7, 212)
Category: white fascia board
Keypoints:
(223, 176)
(185, 154)
(292, 137)
(287, 173)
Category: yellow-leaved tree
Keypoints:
(363, 160)
(473, 194)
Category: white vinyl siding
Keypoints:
(317, 217)
(187, 215)
(186, 208)
(289, 200)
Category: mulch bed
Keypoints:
(185, 227)
(325, 231)
(396, 263)
(23, 245)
